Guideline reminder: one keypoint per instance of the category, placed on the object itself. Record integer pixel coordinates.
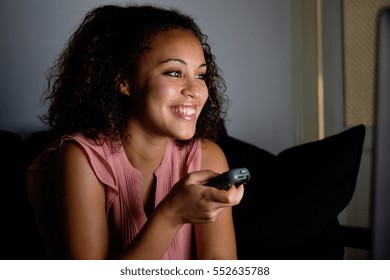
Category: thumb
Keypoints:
(219, 196)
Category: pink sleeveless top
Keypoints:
(124, 206)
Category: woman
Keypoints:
(135, 100)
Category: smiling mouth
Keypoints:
(185, 112)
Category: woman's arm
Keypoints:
(216, 240)
(77, 202)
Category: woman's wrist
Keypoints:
(167, 213)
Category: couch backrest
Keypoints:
(291, 203)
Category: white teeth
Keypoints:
(184, 110)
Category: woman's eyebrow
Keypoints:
(181, 61)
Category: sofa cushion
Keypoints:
(291, 203)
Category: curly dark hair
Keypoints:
(83, 90)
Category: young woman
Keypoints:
(136, 100)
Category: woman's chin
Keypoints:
(185, 137)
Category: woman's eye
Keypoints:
(175, 74)
(179, 74)
(201, 76)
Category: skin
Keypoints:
(170, 93)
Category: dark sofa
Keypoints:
(289, 210)
(19, 236)
(291, 204)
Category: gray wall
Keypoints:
(250, 38)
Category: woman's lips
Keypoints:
(185, 112)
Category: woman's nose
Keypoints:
(191, 89)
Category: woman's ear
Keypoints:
(122, 84)
(124, 88)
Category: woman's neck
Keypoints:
(144, 152)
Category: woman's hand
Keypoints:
(190, 201)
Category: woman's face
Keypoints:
(169, 91)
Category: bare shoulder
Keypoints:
(68, 151)
(70, 164)
(213, 157)
(210, 148)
